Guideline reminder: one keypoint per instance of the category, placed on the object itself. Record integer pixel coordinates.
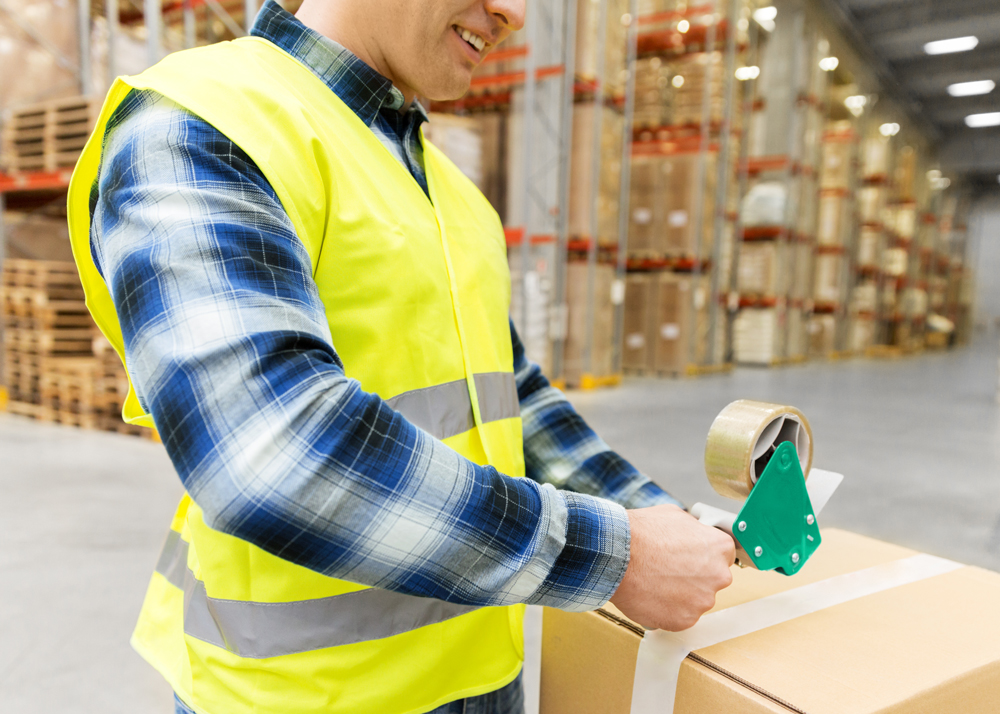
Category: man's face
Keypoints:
(432, 46)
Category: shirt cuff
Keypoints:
(592, 562)
(649, 494)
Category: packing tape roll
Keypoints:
(742, 439)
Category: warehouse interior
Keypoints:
(789, 201)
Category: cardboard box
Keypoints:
(758, 336)
(834, 216)
(826, 287)
(581, 188)
(640, 297)
(822, 331)
(676, 344)
(664, 204)
(928, 642)
(576, 332)
(836, 169)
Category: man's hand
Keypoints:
(677, 566)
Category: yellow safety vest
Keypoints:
(416, 295)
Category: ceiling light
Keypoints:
(745, 73)
(977, 121)
(956, 44)
(677, 81)
(683, 26)
(969, 89)
(933, 175)
(828, 64)
(765, 17)
(889, 129)
(856, 104)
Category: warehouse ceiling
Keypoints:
(892, 35)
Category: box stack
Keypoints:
(581, 188)
(48, 136)
(654, 93)
(51, 368)
(664, 206)
(694, 70)
(574, 368)
(758, 336)
(660, 337)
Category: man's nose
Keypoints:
(510, 13)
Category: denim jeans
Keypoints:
(508, 700)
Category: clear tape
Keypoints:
(743, 437)
(661, 653)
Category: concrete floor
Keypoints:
(84, 514)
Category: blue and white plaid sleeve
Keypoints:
(229, 349)
(560, 449)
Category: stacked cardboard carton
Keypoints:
(665, 202)
(581, 186)
(575, 368)
(659, 335)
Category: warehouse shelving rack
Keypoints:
(786, 156)
(715, 140)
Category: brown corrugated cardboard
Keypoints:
(676, 345)
(664, 205)
(637, 350)
(928, 647)
(581, 169)
(576, 333)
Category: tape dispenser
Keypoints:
(761, 453)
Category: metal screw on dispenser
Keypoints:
(758, 551)
(810, 519)
(742, 525)
(795, 557)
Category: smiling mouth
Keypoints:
(471, 38)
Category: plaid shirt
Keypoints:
(229, 349)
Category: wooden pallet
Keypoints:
(22, 373)
(66, 342)
(48, 136)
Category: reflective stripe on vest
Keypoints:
(445, 410)
(259, 630)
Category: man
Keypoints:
(312, 308)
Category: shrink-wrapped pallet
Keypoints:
(822, 330)
(869, 251)
(757, 336)
(864, 297)
(862, 335)
(664, 205)
(875, 158)
(835, 171)
(640, 299)
(581, 188)
(762, 266)
(826, 286)
(680, 335)
(870, 203)
(834, 217)
(615, 47)
(603, 324)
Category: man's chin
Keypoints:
(450, 88)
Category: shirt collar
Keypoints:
(359, 86)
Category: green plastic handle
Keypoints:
(777, 526)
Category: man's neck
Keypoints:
(336, 21)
